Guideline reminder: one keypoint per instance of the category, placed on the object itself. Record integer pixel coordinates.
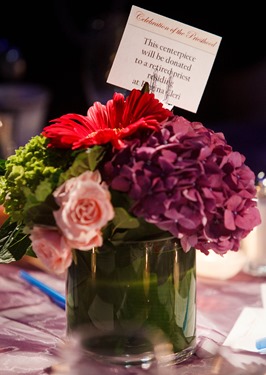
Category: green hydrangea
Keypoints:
(30, 176)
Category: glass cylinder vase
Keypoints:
(135, 303)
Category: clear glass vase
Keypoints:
(134, 304)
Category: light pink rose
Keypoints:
(85, 208)
(51, 248)
(86, 240)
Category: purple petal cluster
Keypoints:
(188, 181)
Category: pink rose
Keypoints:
(86, 240)
(51, 248)
(85, 208)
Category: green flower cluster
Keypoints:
(30, 175)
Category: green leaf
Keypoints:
(86, 160)
(43, 190)
(13, 242)
(2, 167)
(95, 155)
(41, 213)
(123, 220)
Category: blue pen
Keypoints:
(261, 345)
(57, 298)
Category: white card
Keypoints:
(249, 327)
(174, 58)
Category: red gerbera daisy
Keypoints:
(112, 122)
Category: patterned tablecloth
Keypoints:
(33, 330)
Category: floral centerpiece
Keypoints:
(130, 169)
(128, 172)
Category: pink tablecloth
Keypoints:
(32, 330)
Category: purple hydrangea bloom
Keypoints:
(187, 180)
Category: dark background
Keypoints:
(65, 45)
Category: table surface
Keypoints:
(33, 330)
